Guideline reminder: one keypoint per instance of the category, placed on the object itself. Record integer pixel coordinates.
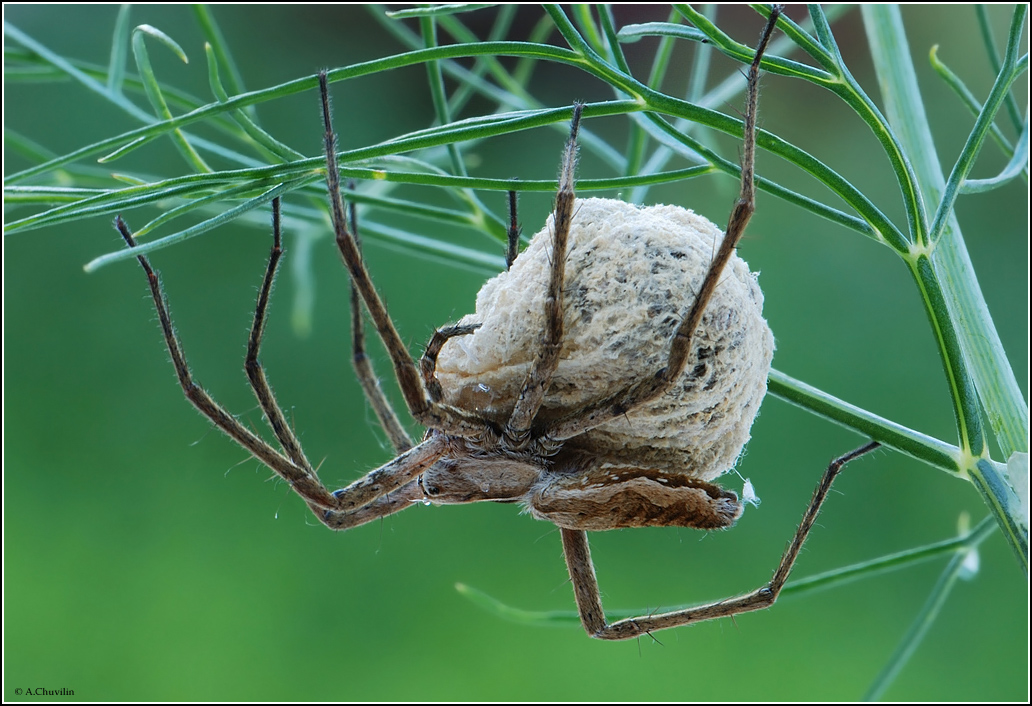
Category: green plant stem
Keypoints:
(935, 453)
(1017, 167)
(986, 28)
(1012, 68)
(959, 546)
(928, 613)
(966, 96)
(968, 342)
(119, 51)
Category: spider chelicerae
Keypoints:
(605, 380)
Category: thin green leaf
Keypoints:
(29, 149)
(960, 546)
(611, 43)
(551, 618)
(770, 62)
(986, 30)
(935, 453)
(510, 92)
(190, 206)
(262, 138)
(879, 226)
(108, 202)
(465, 91)
(48, 194)
(661, 62)
(437, 10)
(119, 50)
(586, 24)
(1017, 167)
(924, 620)
(33, 74)
(157, 34)
(90, 77)
(1012, 68)
(718, 96)
(436, 81)
(824, 33)
(799, 35)
(838, 79)
(844, 85)
(437, 92)
(203, 227)
(635, 32)
(126, 149)
(965, 95)
(223, 56)
(154, 93)
(439, 251)
(289, 88)
(111, 201)
(417, 209)
(67, 67)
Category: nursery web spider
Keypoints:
(634, 440)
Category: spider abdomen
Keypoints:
(602, 498)
(631, 275)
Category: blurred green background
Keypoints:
(148, 558)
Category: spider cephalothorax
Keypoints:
(603, 382)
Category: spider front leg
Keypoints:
(589, 600)
(363, 500)
(424, 409)
(301, 479)
(513, 232)
(546, 361)
(635, 395)
(363, 365)
(256, 374)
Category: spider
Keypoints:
(601, 388)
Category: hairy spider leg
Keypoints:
(637, 394)
(518, 429)
(589, 600)
(512, 233)
(546, 360)
(575, 541)
(428, 361)
(364, 500)
(295, 469)
(363, 366)
(436, 415)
